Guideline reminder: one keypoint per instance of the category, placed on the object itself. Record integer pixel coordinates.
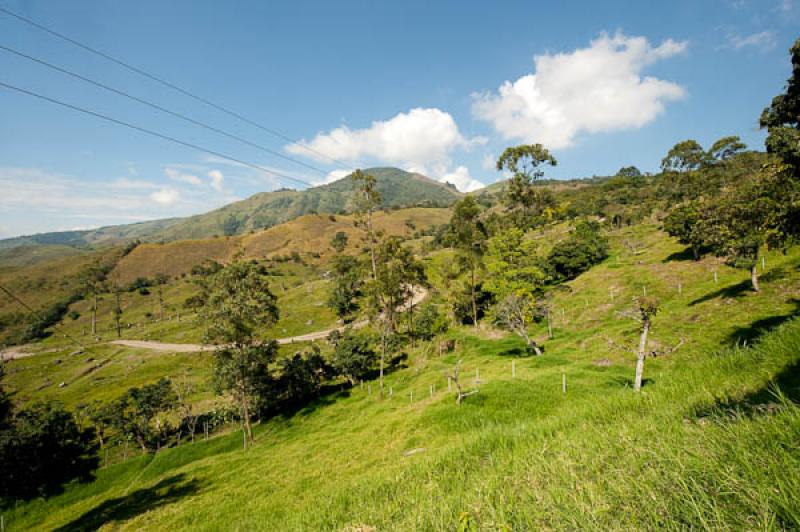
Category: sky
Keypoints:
(439, 88)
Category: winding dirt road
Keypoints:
(419, 295)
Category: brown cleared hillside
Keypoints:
(307, 234)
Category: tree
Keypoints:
(782, 117)
(366, 200)
(117, 311)
(762, 211)
(347, 284)
(629, 171)
(41, 449)
(725, 148)
(582, 249)
(239, 303)
(517, 280)
(430, 322)
(684, 223)
(522, 198)
(160, 281)
(93, 281)
(397, 270)
(685, 156)
(135, 411)
(468, 236)
(339, 241)
(647, 308)
(353, 354)
(302, 374)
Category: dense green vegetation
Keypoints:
(618, 353)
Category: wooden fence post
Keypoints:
(563, 382)
(513, 369)
(715, 277)
(449, 384)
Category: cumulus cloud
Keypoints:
(216, 179)
(764, 40)
(417, 139)
(165, 196)
(462, 180)
(594, 89)
(177, 175)
(334, 175)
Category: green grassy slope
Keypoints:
(705, 445)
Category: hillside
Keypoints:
(709, 443)
(305, 235)
(266, 209)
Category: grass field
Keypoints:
(710, 442)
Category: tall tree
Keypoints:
(782, 117)
(397, 270)
(685, 156)
(366, 201)
(117, 310)
(726, 147)
(761, 211)
(523, 199)
(684, 222)
(160, 281)
(238, 307)
(347, 283)
(468, 236)
(517, 280)
(135, 411)
(93, 281)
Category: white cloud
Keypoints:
(461, 178)
(216, 179)
(165, 196)
(764, 40)
(594, 89)
(125, 183)
(177, 175)
(418, 139)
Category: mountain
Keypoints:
(398, 189)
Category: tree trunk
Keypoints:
(94, 317)
(474, 304)
(696, 252)
(637, 385)
(754, 276)
(383, 356)
(549, 325)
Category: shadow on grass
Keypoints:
(762, 401)
(167, 491)
(754, 331)
(731, 291)
(685, 255)
(628, 382)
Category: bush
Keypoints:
(353, 355)
(41, 450)
(581, 250)
(430, 322)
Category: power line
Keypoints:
(170, 85)
(158, 107)
(152, 133)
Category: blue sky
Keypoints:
(437, 87)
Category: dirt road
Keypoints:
(419, 295)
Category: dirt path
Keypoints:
(13, 353)
(419, 295)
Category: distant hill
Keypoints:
(398, 189)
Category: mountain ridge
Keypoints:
(262, 210)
